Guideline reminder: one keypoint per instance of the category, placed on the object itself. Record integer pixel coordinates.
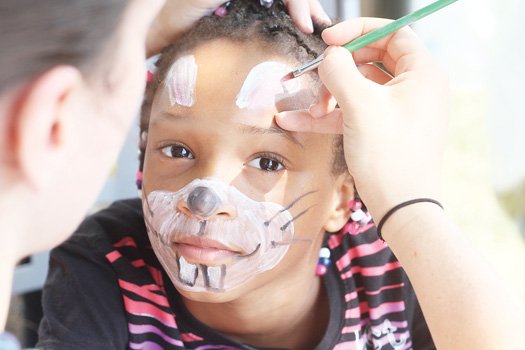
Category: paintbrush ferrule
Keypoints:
(308, 66)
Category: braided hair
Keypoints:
(243, 21)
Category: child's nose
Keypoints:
(205, 203)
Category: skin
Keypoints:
(227, 142)
(397, 126)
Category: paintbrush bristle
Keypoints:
(287, 77)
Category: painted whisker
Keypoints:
(267, 223)
(296, 217)
(275, 244)
(250, 254)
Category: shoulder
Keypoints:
(122, 218)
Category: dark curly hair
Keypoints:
(246, 21)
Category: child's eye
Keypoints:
(266, 164)
(177, 151)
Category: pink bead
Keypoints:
(320, 270)
(221, 11)
(149, 76)
(357, 206)
(354, 228)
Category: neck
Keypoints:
(9, 252)
(7, 267)
(279, 315)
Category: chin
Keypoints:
(215, 297)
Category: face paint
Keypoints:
(209, 236)
(181, 80)
(263, 88)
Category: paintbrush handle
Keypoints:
(391, 27)
(378, 33)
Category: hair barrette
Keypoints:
(222, 10)
(266, 3)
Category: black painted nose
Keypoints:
(203, 201)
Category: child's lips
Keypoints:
(205, 251)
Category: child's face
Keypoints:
(213, 119)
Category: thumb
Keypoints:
(345, 82)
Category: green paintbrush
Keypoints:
(374, 35)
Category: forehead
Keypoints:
(243, 78)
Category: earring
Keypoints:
(324, 262)
(359, 217)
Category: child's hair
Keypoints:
(40, 34)
(246, 21)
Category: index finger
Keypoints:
(302, 121)
(403, 48)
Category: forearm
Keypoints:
(464, 301)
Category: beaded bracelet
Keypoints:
(402, 205)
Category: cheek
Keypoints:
(310, 204)
(163, 173)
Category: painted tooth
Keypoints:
(187, 272)
(214, 276)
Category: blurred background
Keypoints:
(480, 44)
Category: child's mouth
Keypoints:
(205, 257)
(199, 254)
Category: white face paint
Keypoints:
(181, 80)
(263, 88)
(209, 236)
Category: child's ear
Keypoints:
(341, 211)
(37, 124)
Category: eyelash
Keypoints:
(273, 157)
(270, 156)
(169, 147)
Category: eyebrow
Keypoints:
(273, 129)
(248, 129)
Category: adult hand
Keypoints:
(305, 12)
(175, 17)
(393, 128)
(179, 15)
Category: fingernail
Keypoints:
(315, 111)
(324, 19)
(330, 49)
(308, 24)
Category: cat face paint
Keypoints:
(181, 80)
(209, 236)
(263, 88)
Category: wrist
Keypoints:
(399, 207)
(410, 218)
